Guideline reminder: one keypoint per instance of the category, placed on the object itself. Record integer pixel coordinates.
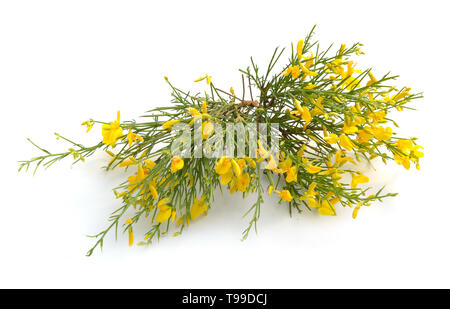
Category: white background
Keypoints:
(63, 62)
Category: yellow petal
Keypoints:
(236, 167)
(326, 209)
(207, 129)
(306, 115)
(226, 178)
(345, 142)
(169, 124)
(357, 179)
(272, 164)
(313, 169)
(199, 79)
(223, 165)
(163, 215)
(355, 212)
(130, 237)
(291, 174)
(285, 196)
(153, 192)
(331, 138)
(300, 49)
(149, 164)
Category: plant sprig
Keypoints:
(329, 114)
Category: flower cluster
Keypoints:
(330, 114)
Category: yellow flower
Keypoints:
(204, 107)
(307, 71)
(372, 79)
(163, 202)
(381, 133)
(291, 174)
(415, 153)
(285, 195)
(131, 161)
(272, 164)
(119, 195)
(165, 211)
(310, 60)
(285, 164)
(89, 124)
(358, 120)
(294, 71)
(133, 180)
(341, 160)
(199, 207)
(177, 164)
(336, 66)
(402, 160)
(287, 71)
(133, 137)
(306, 115)
(357, 179)
(312, 169)
(149, 164)
(345, 142)
(401, 95)
(112, 132)
(207, 77)
(326, 209)
(310, 195)
(377, 117)
(331, 138)
(405, 145)
(153, 192)
(364, 136)
(181, 219)
(319, 109)
(349, 128)
(270, 190)
(223, 166)
(194, 113)
(169, 124)
(351, 83)
(263, 153)
(309, 86)
(243, 181)
(350, 70)
(410, 152)
(207, 129)
(129, 221)
(302, 111)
